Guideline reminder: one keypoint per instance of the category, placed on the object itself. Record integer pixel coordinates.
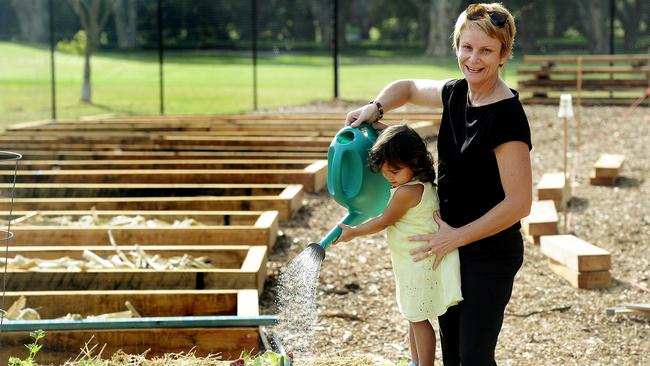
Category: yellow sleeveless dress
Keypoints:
(422, 293)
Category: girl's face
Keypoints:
(479, 56)
(396, 175)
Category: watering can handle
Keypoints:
(339, 154)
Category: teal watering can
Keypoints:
(351, 183)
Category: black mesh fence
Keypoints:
(223, 56)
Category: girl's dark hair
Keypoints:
(400, 145)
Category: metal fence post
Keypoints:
(52, 68)
(335, 41)
(160, 58)
(254, 49)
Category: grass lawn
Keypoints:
(195, 82)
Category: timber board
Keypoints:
(220, 228)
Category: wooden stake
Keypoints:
(566, 181)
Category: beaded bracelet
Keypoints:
(380, 108)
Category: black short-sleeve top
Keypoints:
(469, 184)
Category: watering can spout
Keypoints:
(350, 219)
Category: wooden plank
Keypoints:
(148, 303)
(542, 220)
(137, 189)
(551, 187)
(635, 58)
(590, 84)
(590, 101)
(570, 70)
(234, 227)
(31, 153)
(312, 179)
(60, 346)
(608, 165)
(575, 253)
(601, 181)
(586, 280)
(234, 268)
(129, 164)
(286, 201)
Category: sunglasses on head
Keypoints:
(478, 11)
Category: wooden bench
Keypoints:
(542, 220)
(551, 187)
(61, 345)
(284, 198)
(606, 169)
(219, 228)
(583, 264)
(598, 79)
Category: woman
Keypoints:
(484, 178)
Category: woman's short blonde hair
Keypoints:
(504, 32)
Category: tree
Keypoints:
(33, 19)
(593, 17)
(630, 13)
(93, 15)
(440, 27)
(125, 13)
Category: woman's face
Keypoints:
(479, 56)
(397, 175)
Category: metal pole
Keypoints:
(335, 52)
(254, 47)
(160, 58)
(612, 15)
(52, 68)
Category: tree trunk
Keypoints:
(33, 19)
(322, 12)
(593, 24)
(86, 90)
(630, 13)
(93, 15)
(126, 23)
(440, 27)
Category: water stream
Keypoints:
(297, 301)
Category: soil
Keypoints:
(547, 322)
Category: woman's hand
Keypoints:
(439, 243)
(368, 113)
(347, 234)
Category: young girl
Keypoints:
(423, 293)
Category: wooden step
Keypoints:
(63, 345)
(575, 253)
(542, 220)
(551, 187)
(220, 228)
(286, 199)
(235, 267)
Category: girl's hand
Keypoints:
(439, 243)
(347, 234)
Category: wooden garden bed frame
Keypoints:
(235, 267)
(312, 176)
(286, 199)
(59, 346)
(221, 228)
